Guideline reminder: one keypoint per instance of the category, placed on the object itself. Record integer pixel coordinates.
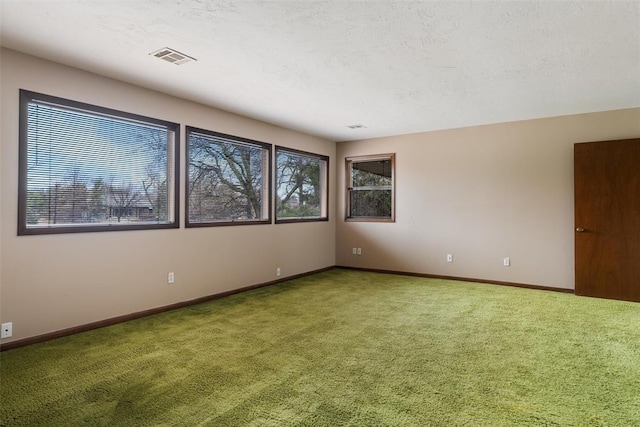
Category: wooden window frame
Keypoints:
(173, 166)
(267, 183)
(348, 179)
(324, 203)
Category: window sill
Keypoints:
(368, 219)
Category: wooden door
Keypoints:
(607, 219)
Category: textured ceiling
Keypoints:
(319, 66)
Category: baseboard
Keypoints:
(463, 279)
(137, 315)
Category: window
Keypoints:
(228, 180)
(87, 168)
(370, 188)
(302, 183)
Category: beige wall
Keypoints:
(52, 282)
(481, 194)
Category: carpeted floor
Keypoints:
(343, 348)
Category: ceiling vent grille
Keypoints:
(173, 56)
(358, 126)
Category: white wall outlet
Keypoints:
(354, 251)
(359, 251)
(506, 262)
(449, 257)
(7, 330)
(278, 271)
(171, 277)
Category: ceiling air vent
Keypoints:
(173, 56)
(358, 126)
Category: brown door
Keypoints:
(607, 219)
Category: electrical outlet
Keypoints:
(278, 271)
(359, 251)
(449, 257)
(171, 277)
(506, 262)
(7, 330)
(354, 251)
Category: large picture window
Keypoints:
(228, 179)
(370, 188)
(301, 186)
(87, 168)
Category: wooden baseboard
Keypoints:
(144, 313)
(119, 319)
(463, 279)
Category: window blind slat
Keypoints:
(87, 168)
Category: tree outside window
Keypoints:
(228, 179)
(370, 188)
(301, 186)
(88, 168)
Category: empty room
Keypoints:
(319, 213)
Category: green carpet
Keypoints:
(343, 348)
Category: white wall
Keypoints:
(481, 193)
(53, 282)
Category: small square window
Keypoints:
(370, 188)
